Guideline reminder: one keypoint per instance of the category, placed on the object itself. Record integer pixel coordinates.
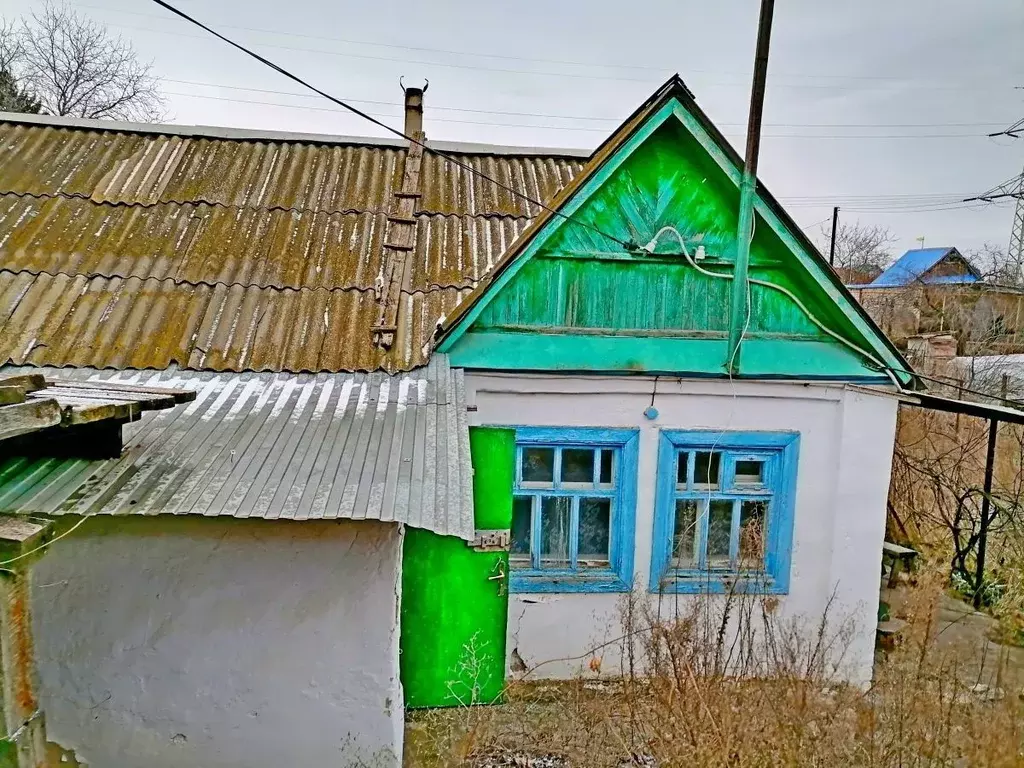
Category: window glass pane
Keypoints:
(681, 461)
(607, 471)
(577, 465)
(685, 534)
(595, 526)
(554, 531)
(538, 465)
(706, 469)
(749, 472)
(719, 532)
(521, 519)
(753, 530)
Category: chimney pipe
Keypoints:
(414, 111)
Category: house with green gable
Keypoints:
(461, 397)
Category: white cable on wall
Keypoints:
(649, 248)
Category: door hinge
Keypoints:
(491, 541)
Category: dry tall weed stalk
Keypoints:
(758, 694)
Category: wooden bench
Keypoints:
(897, 555)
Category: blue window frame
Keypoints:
(574, 510)
(724, 513)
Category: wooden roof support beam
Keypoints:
(29, 416)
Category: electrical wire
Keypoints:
(588, 129)
(592, 118)
(45, 544)
(385, 126)
(591, 64)
(785, 291)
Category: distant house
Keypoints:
(928, 266)
(420, 391)
(938, 290)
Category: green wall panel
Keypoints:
(454, 615)
(579, 283)
(762, 358)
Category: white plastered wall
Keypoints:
(169, 642)
(846, 443)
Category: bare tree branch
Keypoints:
(77, 68)
(862, 252)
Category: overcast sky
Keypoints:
(878, 106)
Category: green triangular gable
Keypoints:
(566, 297)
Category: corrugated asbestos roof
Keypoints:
(304, 447)
(122, 248)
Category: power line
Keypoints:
(581, 117)
(585, 129)
(507, 57)
(385, 126)
(544, 73)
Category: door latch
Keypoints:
(491, 540)
(500, 576)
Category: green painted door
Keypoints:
(455, 598)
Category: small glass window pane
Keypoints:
(607, 468)
(521, 527)
(682, 460)
(750, 472)
(538, 465)
(706, 469)
(753, 529)
(554, 531)
(684, 534)
(719, 532)
(595, 527)
(577, 465)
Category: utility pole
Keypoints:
(832, 245)
(1011, 189)
(738, 317)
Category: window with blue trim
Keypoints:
(574, 510)
(724, 516)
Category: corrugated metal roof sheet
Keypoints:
(296, 446)
(62, 320)
(137, 249)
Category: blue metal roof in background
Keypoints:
(912, 265)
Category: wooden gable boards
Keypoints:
(576, 293)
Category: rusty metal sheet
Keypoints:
(145, 169)
(449, 189)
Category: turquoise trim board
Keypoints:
(762, 358)
(620, 490)
(776, 455)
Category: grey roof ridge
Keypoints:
(257, 134)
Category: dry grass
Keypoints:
(690, 698)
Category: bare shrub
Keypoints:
(694, 696)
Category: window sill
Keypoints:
(523, 583)
(719, 584)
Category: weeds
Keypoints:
(728, 683)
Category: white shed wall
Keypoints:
(177, 641)
(846, 443)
